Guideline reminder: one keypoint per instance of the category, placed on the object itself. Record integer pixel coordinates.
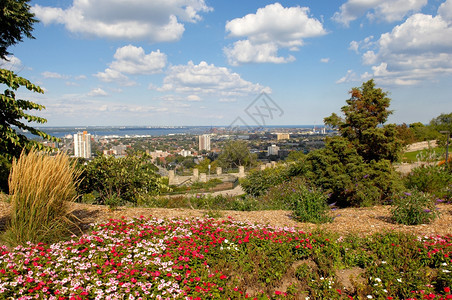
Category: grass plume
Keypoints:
(41, 188)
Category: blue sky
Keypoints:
(204, 62)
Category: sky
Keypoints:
(224, 63)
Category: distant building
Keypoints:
(82, 144)
(185, 153)
(282, 136)
(273, 150)
(204, 142)
(158, 154)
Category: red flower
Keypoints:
(447, 289)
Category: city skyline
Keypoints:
(207, 62)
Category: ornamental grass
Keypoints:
(41, 188)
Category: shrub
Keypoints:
(413, 209)
(41, 188)
(339, 170)
(127, 178)
(436, 180)
(257, 181)
(310, 205)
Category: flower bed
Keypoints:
(149, 258)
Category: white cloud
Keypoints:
(204, 79)
(380, 10)
(132, 60)
(97, 92)
(11, 63)
(413, 51)
(269, 29)
(445, 10)
(153, 21)
(53, 75)
(245, 52)
(193, 98)
(325, 60)
(350, 76)
(110, 75)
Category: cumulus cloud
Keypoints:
(97, 92)
(379, 10)
(132, 60)
(204, 79)
(413, 51)
(445, 11)
(153, 21)
(11, 63)
(268, 30)
(110, 75)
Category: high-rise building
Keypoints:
(82, 144)
(273, 150)
(204, 142)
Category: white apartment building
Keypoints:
(204, 142)
(82, 144)
(273, 150)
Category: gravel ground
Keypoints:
(360, 221)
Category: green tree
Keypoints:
(16, 21)
(235, 154)
(442, 123)
(355, 167)
(366, 110)
(203, 166)
(423, 132)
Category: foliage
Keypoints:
(433, 179)
(405, 134)
(423, 132)
(295, 156)
(203, 166)
(235, 154)
(12, 112)
(126, 178)
(209, 259)
(5, 167)
(16, 20)
(342, 172)
(258, 181)
(413, 208)
(442, 123)
(365, 111)
(41, 188)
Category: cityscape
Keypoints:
(270, 144)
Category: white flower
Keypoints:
(369, 297)
(399, 279)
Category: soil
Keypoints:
(359, 221)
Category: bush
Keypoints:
(339, 170)
(257, 181)
(413, 209)
(125, 178)
(436, 180)
(41, 188)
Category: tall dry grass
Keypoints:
(41, 189)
